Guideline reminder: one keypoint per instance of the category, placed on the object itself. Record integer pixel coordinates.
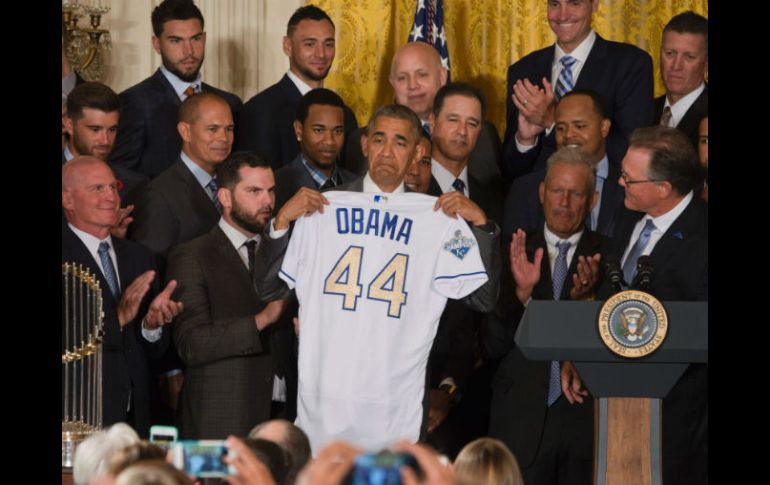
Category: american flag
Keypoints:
(428, 27)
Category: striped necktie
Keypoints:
(565, 83)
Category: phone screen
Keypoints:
(203, 459)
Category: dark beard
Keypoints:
(312, 75)
(188, 78)
(245, 221)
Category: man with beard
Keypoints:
(320, 130)
(221, 334)
(267, 121)
(147, 140)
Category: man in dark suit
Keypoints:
(91, 123)
(459, 397)
(551, 438)
(684, 59)
(221, 334)
(619, 72)
(148, 141)
(266, 124)
(180, 204)
(134, 307)
(416, 75)
(320, 129)
(580, 123)
(668, 222)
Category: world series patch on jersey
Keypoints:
(372, 275)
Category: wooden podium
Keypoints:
(627, 392)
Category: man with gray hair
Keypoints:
(289, 437)
(92, 457)
(551, 438)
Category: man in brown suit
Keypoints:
(221, 334)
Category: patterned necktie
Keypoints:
(191, 89)
(565, 83)
(109, 270)
(665, 118)
(426, 128)
(459, 186)
(559, 275)
(629, 268)
(251, 246)
(212, 188)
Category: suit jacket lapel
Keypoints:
(612, 194)
(200, 199)
(228, 255)
(593, 70)
(692, 117)
(164, 86)
(674, 237)
(83, 256)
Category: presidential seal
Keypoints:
(633, 324)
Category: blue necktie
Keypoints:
(629, 268)
(559, 275)
(426, 128)
(109, 270)
(459, 186)
(565, 83)
(212, 187)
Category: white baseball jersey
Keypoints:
(372, 275)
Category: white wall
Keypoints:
(243, 46)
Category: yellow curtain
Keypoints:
(484, 37)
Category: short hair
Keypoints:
(152, 472)
(322, 96)
(92, 95)
(92, 456)
(270, 454)
(598, 102)
(672, 156)
(487, 461)
(398, 112)
(308, 12)
(174, 10)
(458, 89)
(189, 109)
(575, 157)
(228, 172)
(689, 22)
(294, 441)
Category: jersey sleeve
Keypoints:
(458, 269)
(293, 259)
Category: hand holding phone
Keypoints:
(202, 458)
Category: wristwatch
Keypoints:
(452, 391)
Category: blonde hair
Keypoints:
(487, 461)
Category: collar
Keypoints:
(603, 168)
(301, 85)
(92, 242)
(234, 235)
(680, 108)
(445, 178)
(580, 52)
(318, 176)
(67, 153)
(372, 188)
(200, 175)
(664, 221)
(551, 239)
(179, 85)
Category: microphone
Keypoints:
(644, 271)
(613, 273)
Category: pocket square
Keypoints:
(678, 235)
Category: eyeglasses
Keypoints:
(631, 182)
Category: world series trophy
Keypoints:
(83, 322)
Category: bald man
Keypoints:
(135, 309)
(179, 204)
(416, 75)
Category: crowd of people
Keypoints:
(226, 308)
